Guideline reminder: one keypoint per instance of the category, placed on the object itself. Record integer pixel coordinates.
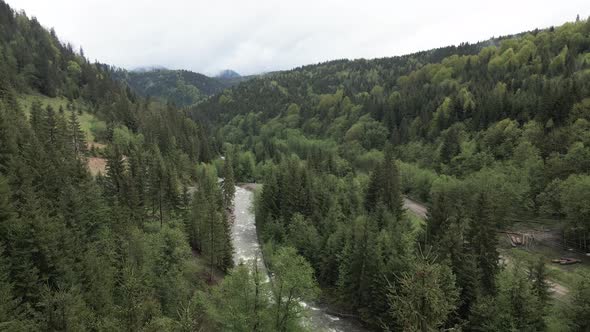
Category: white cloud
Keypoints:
(256, 36)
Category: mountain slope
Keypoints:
(90, 253)
(489, 134)
(182, 87)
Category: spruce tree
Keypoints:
(384, 187)
(483, 243)
(116, 173)
(208, 228)
(392, 197)
(229, 184)
(538, 276)
(425, 297)
(157, 183)
(579, 310)
(359, 263)
(77, 136)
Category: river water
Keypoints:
(247, 247)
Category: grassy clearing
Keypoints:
(566, 275)
(27, 100)
(88, 121)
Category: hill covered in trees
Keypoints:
(181, 87)
(485, 133)
(110, 252)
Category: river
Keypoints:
(247, 247)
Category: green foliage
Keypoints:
(208, 226)
(578, 310)
(415, 181)
(242, 301)
(486, 133)
(515, 307)
(181, 87)
(229, 184)
(540, 285)
(424, 298)
(79, 253)
(575, 193)
(293, 282)
(384, 188)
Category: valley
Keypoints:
(440, 190)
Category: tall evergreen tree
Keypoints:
(425, 296)
(483, 243)
(579, 310)
(384, 186)
(116, 173)
(229, 184)
(208, 228)
(538, 276)
(77, 136)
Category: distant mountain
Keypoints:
(228, 74)
(148, 68)
(181, 87)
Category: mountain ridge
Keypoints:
(179, 86)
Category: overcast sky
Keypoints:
(265, 35)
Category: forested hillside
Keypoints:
(104, 253)
(181, 87)
(485, 133)
(116, 207)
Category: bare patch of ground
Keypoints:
(97, 165)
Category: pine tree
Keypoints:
(392, 196)
(134, 297)
(425, 296)
(229, 188)
(12, 317)
(373, 189)
(38, 121)
(359, 263)
(116, 173)
(208, 228)
(538, 277)
(519, 306)
(384, 187)
(77, 136)
(64, 310)
(6, 212)
(51, 127)
(8, 303)
(450, 146)
(212, 240)
(8, 148)
(157, 183)
(579, 310)
(483, 243)
(138, 173)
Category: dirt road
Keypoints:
(419, 209)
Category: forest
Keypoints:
(487, 136)
(181, 87)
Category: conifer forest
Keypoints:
(442, 190)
